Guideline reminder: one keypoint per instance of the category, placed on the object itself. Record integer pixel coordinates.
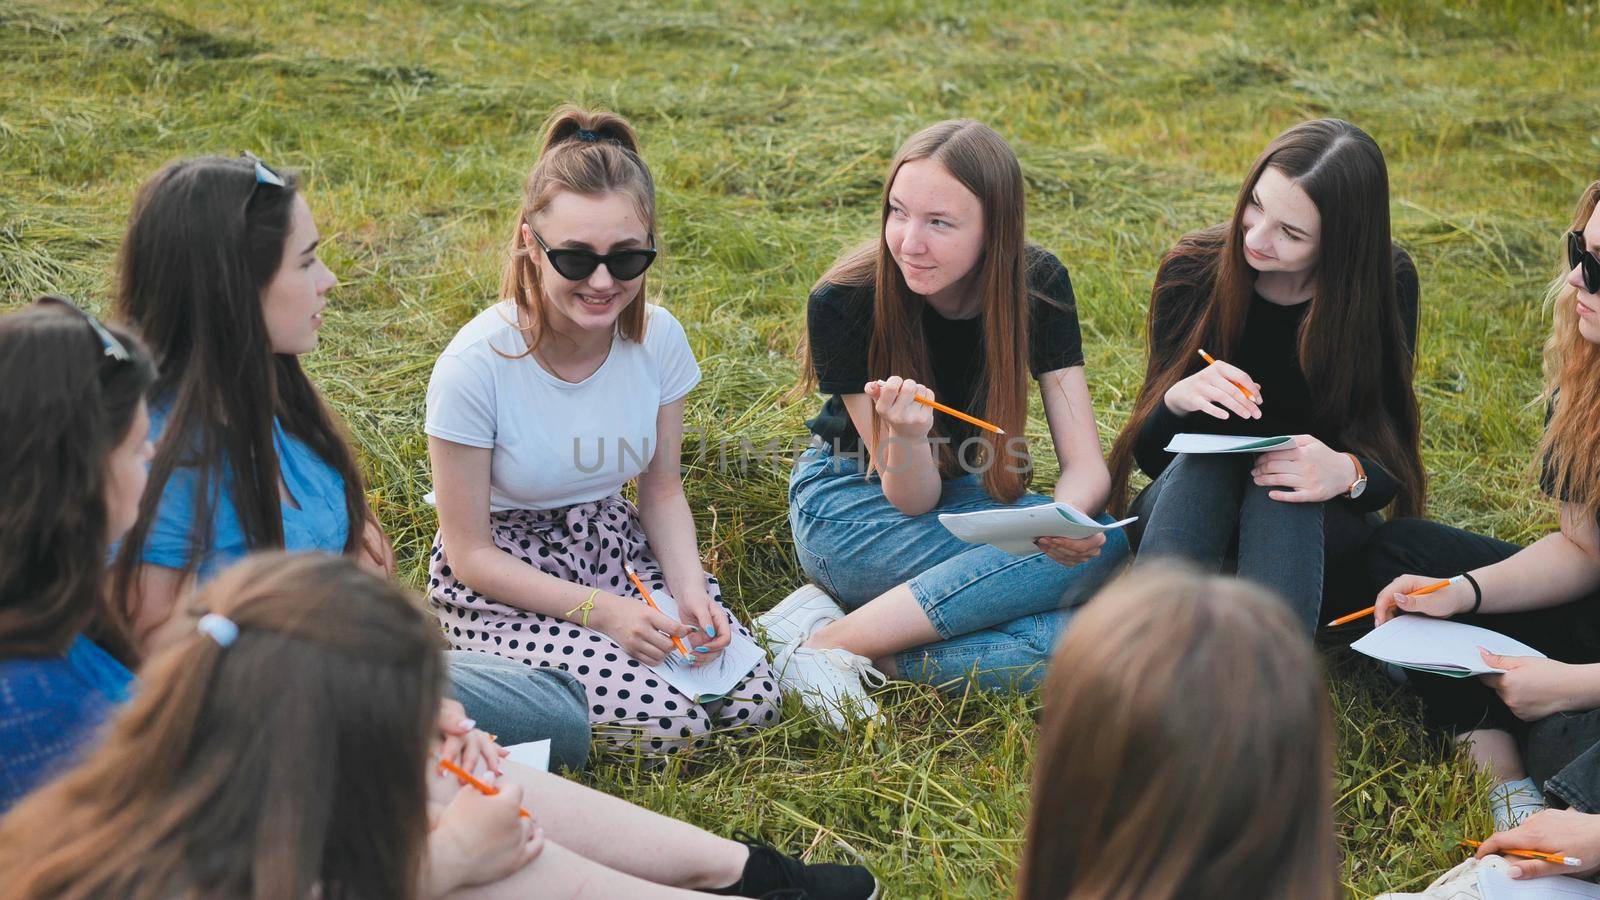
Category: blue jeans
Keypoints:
(999, 616)
(522, 703)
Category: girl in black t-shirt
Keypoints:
(1536, 728)
(1311, 314)
(949, 302)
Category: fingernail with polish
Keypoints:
(711, 631)
(701, 650)
(469, 723)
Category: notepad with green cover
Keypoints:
(1191, 442)
(1013, 529)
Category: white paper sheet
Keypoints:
(1438, 645)
(713, 680)
(534, 754)
(1013, 529)
(1495, 885)
(1189, 442)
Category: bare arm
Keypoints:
(1085, 481)
(905, 461)
(461, 488)
(669, 525)
(155, 598)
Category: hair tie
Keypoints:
(219, 628)
(587, 136)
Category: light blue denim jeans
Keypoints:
(522, 703)
(999, 616)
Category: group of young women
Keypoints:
(267, 689)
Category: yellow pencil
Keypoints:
(1211, 362)
(1556, 858)
(645, 593)
(971, 420)
(1372, 609)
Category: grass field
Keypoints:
(768, 127)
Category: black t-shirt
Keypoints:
(839, 329)
(1269, 351)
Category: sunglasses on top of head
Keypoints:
(1580, 256)
(109, 345)
(576, 265)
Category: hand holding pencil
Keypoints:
(1219, 390)
(1549, 842)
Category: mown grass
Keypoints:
(768, 126)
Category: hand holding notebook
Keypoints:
(1014, 529)
(1439, 646)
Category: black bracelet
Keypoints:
(1477, 593)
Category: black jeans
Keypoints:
(1205, 508)
(1561, 752)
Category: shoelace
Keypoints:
(859, 666)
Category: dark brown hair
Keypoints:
(1352, 330)
(290, 762)
(978, 157)
(66, 406)
(1186, 750)
(204, 240)
(610, 163)
(1572, 370)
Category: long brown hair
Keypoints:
(204, 239)
(292, 761)
(1353, 327)
(1572, 368)
(978, 157)
(65, 408)
(589, 152)
(1186, 750)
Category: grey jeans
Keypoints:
(522, 703)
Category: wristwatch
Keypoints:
(1359, 486)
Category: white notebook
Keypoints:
(1014, 528)
(1438, 645)
(1189, 442)
(534, 754)
(1498, 886)
(714, 680)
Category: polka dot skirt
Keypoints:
(589, 544)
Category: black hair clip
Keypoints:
(587, 136)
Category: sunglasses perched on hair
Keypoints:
(264, 175)
(576, 265)
(1580, 256)
(109, 345)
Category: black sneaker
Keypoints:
(768, 873)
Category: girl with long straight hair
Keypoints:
(285, 748)
(219, 271)
(1535, 728)
(948, 301)
(1160, 772)
(74, 464)
(1311, 314)
(541, 411)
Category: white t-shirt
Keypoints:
(556, 443)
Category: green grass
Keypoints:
(768, 127)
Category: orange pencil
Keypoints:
(1556, 858)
(466, 778)
(1211, 362)
(971, 420)
(645, 593)
(1428, 589)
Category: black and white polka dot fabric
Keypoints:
(589, 544)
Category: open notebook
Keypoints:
(714, 680)
(1014, 528)
(1498, 886)
(1189, 442)
(1438, 645)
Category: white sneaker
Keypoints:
(830, 682)
(1513, 801)
(797, 616)
(1460, 883)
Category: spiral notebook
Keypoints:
(716, 679)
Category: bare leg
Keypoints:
(885, 625)
(630, 839)
(1495, 752)
(559, 872)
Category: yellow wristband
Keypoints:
(585, 607)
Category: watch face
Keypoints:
(1357, 489)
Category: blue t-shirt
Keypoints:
(49, 709)
(320, 522)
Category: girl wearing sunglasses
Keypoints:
(1536, 728)
(540, 411)
(1311, 313)
(948, 301)
(219, 271)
